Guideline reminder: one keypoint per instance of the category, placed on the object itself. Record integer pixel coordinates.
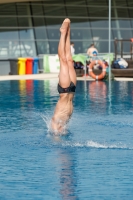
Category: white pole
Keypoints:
(109, 39)
(109, 57)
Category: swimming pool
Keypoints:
(95, 159)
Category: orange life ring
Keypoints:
(91, 65)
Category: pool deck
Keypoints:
(50, 76)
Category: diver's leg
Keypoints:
(72, 72)
(64, 78)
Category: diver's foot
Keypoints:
(64, 26)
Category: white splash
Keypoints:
(105, 146)
(97, 145)
(47, 120)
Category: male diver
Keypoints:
(67, 82)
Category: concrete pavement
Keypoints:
(48, 76)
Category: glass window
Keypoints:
(121, 2)
(130, 3)
(42, 47)
(126, 34)
(80, 23)
(89, 23)
(121, 23)
(8, 22)
(100, 34)
(86, 44)
(8, 9)
(23, 49)
(78, 34)
(99, 3)
(53, 2)
(80, 2)
(126, 47)
(23, 9)
(118, 46)
(8, 34)
(26, 34)
(4, 49)
(122, 12)
(15, 49)
(40, 33)
(122, 34)
(77, 11)
(102, 23)
(130, 12)
(98, 12)
(124, 23)
(55, 10)
(116, 33)
(53, 47)
(86, 34)
(102, 46)
(38, 21)
(24, 22)
(53, 22)
(112, 46)
(131, 23)
(114, 23)
(37, 10)
(78, 45)
(53, 34)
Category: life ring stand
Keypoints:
(100, 76)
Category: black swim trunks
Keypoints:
(69, 89)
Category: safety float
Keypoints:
(91, 73)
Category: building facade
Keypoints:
(32, 28)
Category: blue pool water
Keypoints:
(94, 161)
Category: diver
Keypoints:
(66, 84)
